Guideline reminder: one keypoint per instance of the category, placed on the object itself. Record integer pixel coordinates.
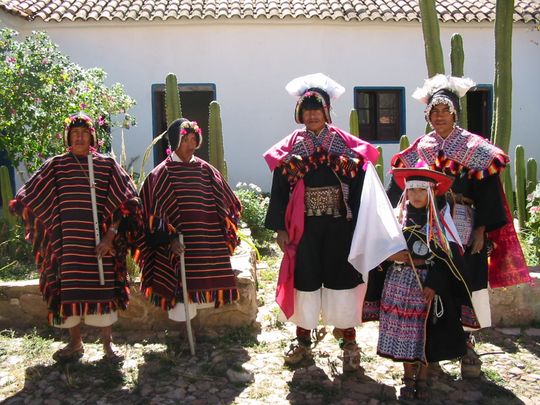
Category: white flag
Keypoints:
(377, 234)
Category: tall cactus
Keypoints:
(501, 128)
(354, 126)
(508, 190)
(520, 180)
(7, 195)
(457, 57)
(432, 37)
(532, 179)
(403, 142)
(215, 139)
(379, 166)
(173, 107)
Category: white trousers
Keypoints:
(339, 308)
(99, 320)
(178, 313)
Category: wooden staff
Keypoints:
(95, 215)
(186, 296)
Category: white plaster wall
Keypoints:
(251, 61)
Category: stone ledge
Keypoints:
(517, 305)
(22, 306)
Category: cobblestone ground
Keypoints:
(245, 366)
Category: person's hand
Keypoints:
(428, 293)
(176, 247)
(478, 240)
(105, 246)
(402, 257)
(282, 239)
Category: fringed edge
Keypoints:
(298, 166)
(129, 213)
(231, 234)
(45, 258)
(219, 297)
(453, 168)
(57, 317)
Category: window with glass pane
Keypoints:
(380, 114)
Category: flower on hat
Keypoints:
(190, 127)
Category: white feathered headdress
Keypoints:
(297, 87)
(457, 85)
(317, 89)
(441, 89)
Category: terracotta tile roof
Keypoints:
(347, 10)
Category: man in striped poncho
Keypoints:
(56, 206)
(185, 194)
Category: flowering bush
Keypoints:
(255, 205)
(531, 235)
(39, 88)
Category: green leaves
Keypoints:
(39, 88)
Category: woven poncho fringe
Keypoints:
(174, 196)
(59, 185)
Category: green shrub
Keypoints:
(255, 204)
(16, 258)
(39, 88)
(531, 234)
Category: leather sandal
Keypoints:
(422, 390)
(408, 391)
(68, 354)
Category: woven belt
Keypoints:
(323, 201)
(459, 199)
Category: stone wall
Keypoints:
(21, 305)
(517, 305)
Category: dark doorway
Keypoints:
(479, 110)
(195, 99)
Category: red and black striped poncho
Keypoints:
(192, 199)
(56, 207)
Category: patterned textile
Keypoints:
(192, 199)
(56, 207)
(460, 151)
(464, 152)
(403, 316)
(328, 148)
(463, 217)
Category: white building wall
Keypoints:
(251, 61)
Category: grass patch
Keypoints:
(35, 346)
(493, 376)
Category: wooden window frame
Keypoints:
(401, 121)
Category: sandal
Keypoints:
(408, 390)
(68, 354)
(471, 365)
(422, 390)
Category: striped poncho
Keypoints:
(192, 199)
(56, 207)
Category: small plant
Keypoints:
(531, 234)
(255, 205)
(16, 258)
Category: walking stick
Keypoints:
(186, 297)
(95, 215)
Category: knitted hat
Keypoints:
(441, 89)
(181, 127)
(76, 121)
